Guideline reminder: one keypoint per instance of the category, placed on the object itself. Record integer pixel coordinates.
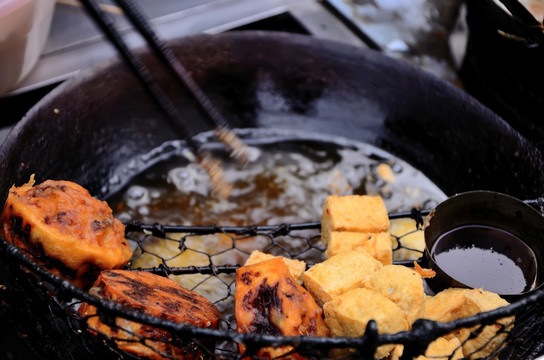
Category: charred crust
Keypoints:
(21, 235)
(64, 219)
(191, 305)
(246, 277)
(262, 303)
(97, 225)
(113, 274)
(43, 189)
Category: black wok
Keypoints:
(84, 129)
(89, 125)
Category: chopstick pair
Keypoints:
(183, 78)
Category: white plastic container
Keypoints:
(24, 27)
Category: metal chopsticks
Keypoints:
(181, 75)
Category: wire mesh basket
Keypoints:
(44, 308)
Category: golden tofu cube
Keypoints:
(443, 349)
(456, 303)
(378, 245)
(354, 213)
(401, 285)
(339, 274)
(349, 314)
(296, 267)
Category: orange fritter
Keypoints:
(268, 300)
(155, 296)
(63, 228)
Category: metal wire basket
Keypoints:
(43, 307)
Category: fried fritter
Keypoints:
(63, 228)
(268, 300)
(155, 296)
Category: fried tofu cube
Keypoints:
(338, 274)
(349, 314)
(355, 213)
(296, 267)
(401, 285)
(455, 303)
(443, 349)
(376, 244)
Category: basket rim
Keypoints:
(423, 328)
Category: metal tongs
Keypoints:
(167, 58)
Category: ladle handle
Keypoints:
(537, 203)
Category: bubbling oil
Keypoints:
(287, 181)
(487, 257)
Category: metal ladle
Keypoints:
(485, 239)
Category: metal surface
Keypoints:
(486, 208)
(76, 43)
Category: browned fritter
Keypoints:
(155, 296)
(63, 228)
(268, 300)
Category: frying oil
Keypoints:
(287, 181)
(487, 257)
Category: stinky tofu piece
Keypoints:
(376, 244)
(348, 315)
(296, 267)
(443, 349)
(401, 285)
(448, 305)
(355, 213)
(455, 303)
(339, 274)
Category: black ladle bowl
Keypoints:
(486, 239)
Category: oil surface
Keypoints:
(287, 181)
(489, 258)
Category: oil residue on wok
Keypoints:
(287, 181)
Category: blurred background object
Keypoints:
(502, 64)
(76, 43)
(24, 29)
(413, 30)
(492, 52)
